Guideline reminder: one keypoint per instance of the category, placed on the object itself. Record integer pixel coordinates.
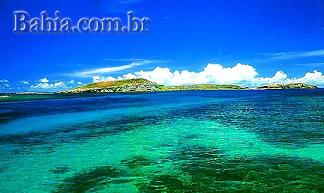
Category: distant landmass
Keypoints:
(129, 85)
(143, 85)
(137, 86)
(288, 86)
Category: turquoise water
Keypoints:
(200, 141)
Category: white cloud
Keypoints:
(123, 59)
(295, 54)
(5, 85)
(212, 73)
(71, 82)
(44, 84)
(314, 64)
(106, 70)
(109, 78)
(44, 80)
(126, 76)
(23, 82)
(4, 81)
(96, 79)
(279, 77)
(242, 74)
(314, 77)
(59, 84)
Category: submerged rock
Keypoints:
(2, 169)
(209, 170)
(136, 162)
(163, 183)
(258, 174)
(90, 180)
(60, 170)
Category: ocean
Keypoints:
(185, 141)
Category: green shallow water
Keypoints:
(164, 143)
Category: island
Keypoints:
(143, 85)
(139, 85)
(118, 86)
(287, 86)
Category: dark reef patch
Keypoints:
(259, 174)
(209, 170)
(60, 170)
(2, 169)
(137, 161)
(24, 143)
(162, 183)
(91, 180)
(196, 154)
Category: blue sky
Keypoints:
(184, 35)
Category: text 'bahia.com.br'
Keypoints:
(24, 23)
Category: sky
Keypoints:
(246, 42)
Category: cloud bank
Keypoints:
(45, 84)
(4, 84)
(242, 74)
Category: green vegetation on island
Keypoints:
(143, 85)
(118, 86)
(288, 86)
(203, 87)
